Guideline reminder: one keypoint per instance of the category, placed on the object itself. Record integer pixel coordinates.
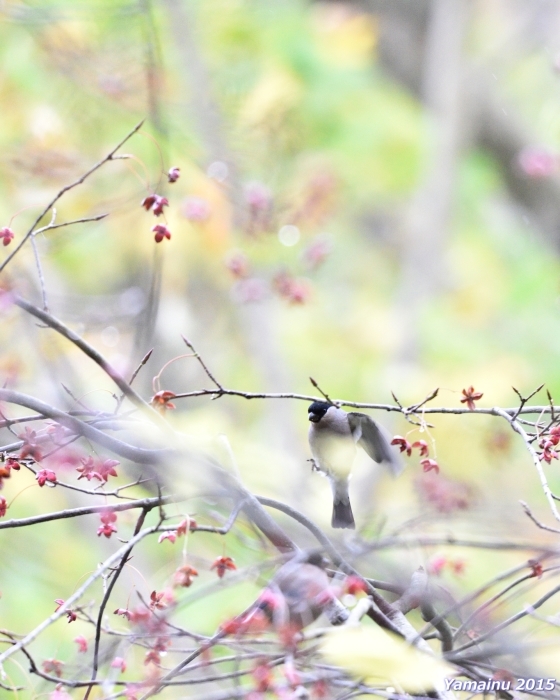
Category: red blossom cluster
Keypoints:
(470, 395)
(157, 600)
(258, 198)
(263, 677)
(184, 526)
(295, 290)
(317, 252)
(443, 494)
(437, 565)
(183, 577)
(7, 235)
(548, 444)
(355, 584)
(429, 465)
(238, 264)
(162, 400)
(120, 663)
(97, 469)
(30, 447)
(81, 641)
(107, 527)
(6, 469)
(44, 476)
(59, 693)
(155, 203)
(404, 445)
(223, 564)
(151, 620)
(253, 622)
(72, 617)
(173, 174)
(53, 666)
(536, 568)
(161, 232)
(153, 655)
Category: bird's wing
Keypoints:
(375, 440)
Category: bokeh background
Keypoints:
(369, 195)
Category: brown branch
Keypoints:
(139, 455)
(506, 623)
(472, 596)
(534, 456)
(144, 503)
(386, 615)
(494, 598)
(438, 540)
(325, 395)
(523, 399)
(63, 191)
(389, 408)
(538, 523)
(133, 377)
(115, 575)
(203, 364)
(96, 356)
(69, 602)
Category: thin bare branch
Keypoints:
(416, 406)
(506, 623)
(325, 395)
(202, 363)
(144, 503)
(538, 523)
(96, 356)
(389, 408)
(63, 191)
(69, 602)
(523, 399)
(534, 456)
(139, 455)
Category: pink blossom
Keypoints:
(196, 209)
(537, 162)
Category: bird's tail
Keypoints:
(342, 516)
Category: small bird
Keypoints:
(297, 593)
(333, 435)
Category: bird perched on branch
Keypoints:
(333, 435)
(298, 593)
(295, 597)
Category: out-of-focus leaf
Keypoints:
(381, 658)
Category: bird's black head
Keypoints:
(317, 559)
(317, 410)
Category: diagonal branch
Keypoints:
(63, 191)
(95, 355)
(534, 456)
(68, 604)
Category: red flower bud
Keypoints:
(173, 174)
(161, 232)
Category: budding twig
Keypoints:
(325, 395)
(203, 365)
